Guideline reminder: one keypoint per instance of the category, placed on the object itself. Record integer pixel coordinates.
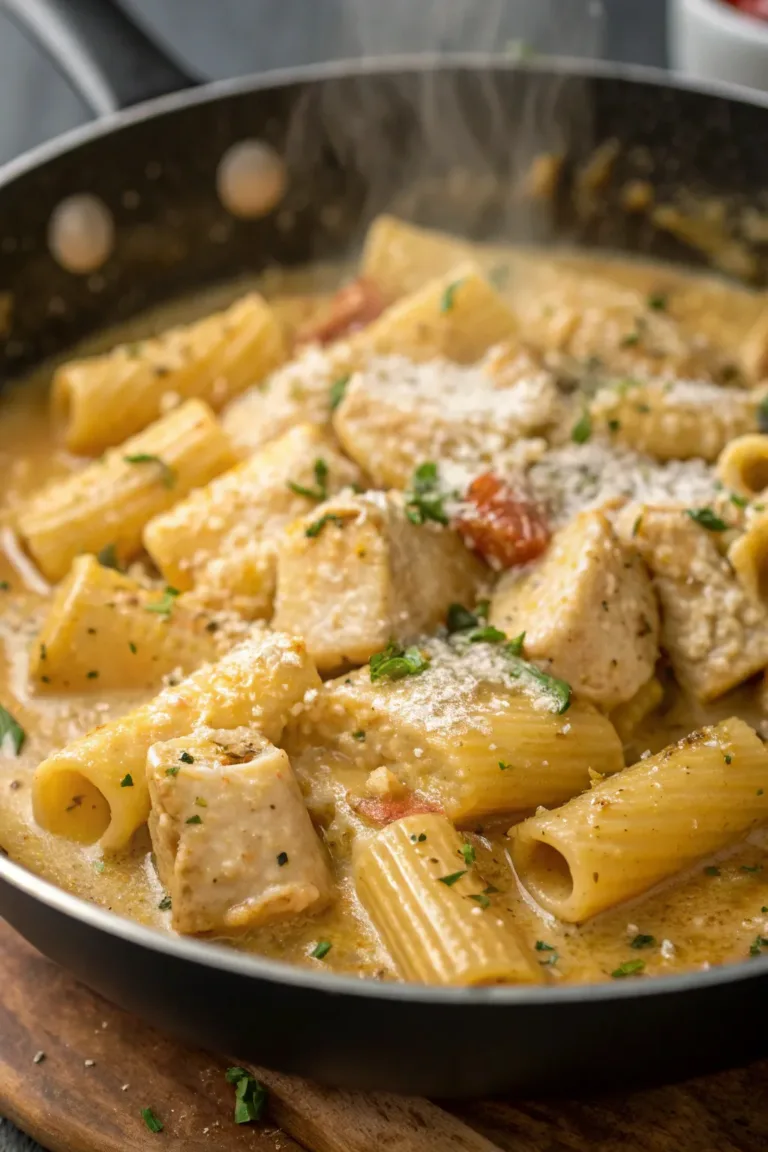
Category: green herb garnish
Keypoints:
(186, 759)
(359, 735)
(582, 429)
(468, 852)
(504, 766)
(451, 879)
(480, 898)
(127, 781)
(557, 692)
(250, 1095)
(628, 968)
(167, 474)
(151, 1120)
(316, 527)
(751, 868)
(338, 391)
(165, 904)
(11, 731)
(487, 635)
(320, 490)
(173, 770)
(321, 949)
(460, 619)
(739, 501)
(132, 647)
(757, 945)
(194, 820)
(706, 518)
(541, 946)
(447, 300)
(282, 859)
(395, 662)
(107, 557)
(658, 301)
(164, 606)
(92, 675)
(642, 941)
(424, 499)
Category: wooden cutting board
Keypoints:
(102, 1066)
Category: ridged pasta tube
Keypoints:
(431, 910)
(221, 540)
(105, 631)
(95, 788)
(645, 823)
(107, 504)
(234, 844)
(102, 400)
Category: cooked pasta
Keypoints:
(645, 823)
(342, 648)
(107, 504)
(432, 911)
(103, 400)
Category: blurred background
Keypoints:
(221, 38)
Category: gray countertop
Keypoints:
(217, 38)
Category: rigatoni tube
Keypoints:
(80, 792)
(645, 823)
(107, 504)
(432, 910)
(104, 399)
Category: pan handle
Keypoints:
(106, 58)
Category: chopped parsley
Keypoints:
(127, 781)
(706, 518)
(451, 879)
(658, 301)
(628, 968)
(460, 619)
(515, 645)
(282, 858)
(487, 635)
(425, 499)
(11, 732)
(316, 527)
(631, 339)
(727, 757)
(107, 557)
(418, 839)
(359, 735)
(642, 941)
(165, 904)
(201, 802)
(320, 490)
(194, 820)
(582, 429)
(186, 759)
(739, 501)
(151, 1120)
(762, 414)
(395, 662)
(164, 606)
(711, 870)
(132, 647)
(173, 770)
(448, 298)
(542, 946)
(557, 692)
(614, 425)
(468, 852)
(338, 391)
(321, 949)
(98, 866)
(167, 474)
(92, 675)
(480, 898)
(4, 586)
(504, 766)
(757, 945)
(250, 1095)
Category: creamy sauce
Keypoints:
(709, 916)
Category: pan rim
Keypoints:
(229, 960)
(208, 954)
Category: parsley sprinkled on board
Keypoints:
(127, 781)
(425, 499)
(167, 474)
(582, 429)
(316, 527)
(762, 414)
(628, 968)
(320, 490)
(338, 391)
(448, 299)
(194, 820)
(642, 941)
(321, 949)
(282, 859)
(468, 852)
(706, 518)
(711, 870)
(11, 732)
(487, 635)
(107, 557)
(186, 759)
(395, 663)
(151, 1120)
(657, 301)
(451, 879)
(165, 904)
(250, 1095)
(164, 606)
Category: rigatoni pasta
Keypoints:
(107, 504)
(105, 399)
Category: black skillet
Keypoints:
(444, 142)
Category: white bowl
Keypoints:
(712, 40)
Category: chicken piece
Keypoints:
(715, 629)
(233, 840)
(588, 612)
(356, 572)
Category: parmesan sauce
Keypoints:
(707, 916)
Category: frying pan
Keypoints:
(442, 141)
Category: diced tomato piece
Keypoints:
(384, 810)
(353, 307)
(503, 527)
